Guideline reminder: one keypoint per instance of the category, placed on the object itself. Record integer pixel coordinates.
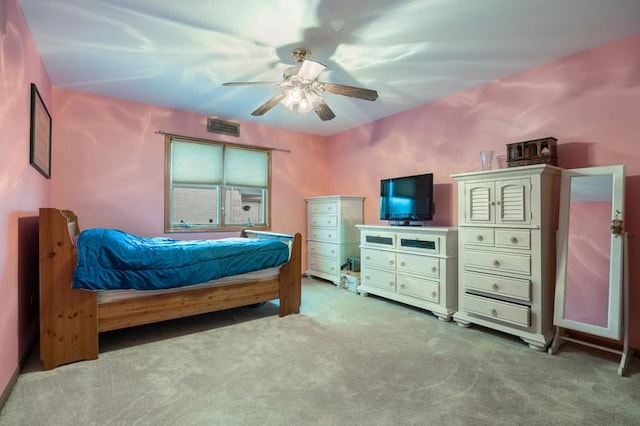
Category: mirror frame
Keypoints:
(613, 328)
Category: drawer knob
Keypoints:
(496, 263)
(330, 235)
(434, 269)
(368, 257)
(402, 286)
(493, 203)
(494, 312)
(480, 238)
(514, 240)
(391, 262)
(495, 287)
(433, 294)
(402, 264)
(390, 283)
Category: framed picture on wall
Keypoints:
(40, 152)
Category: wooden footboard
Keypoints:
(71, 319)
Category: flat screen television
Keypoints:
(407, 199)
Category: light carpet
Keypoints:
(344, 360)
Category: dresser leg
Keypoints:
(442, 317)
(461, 323)
(536, 346)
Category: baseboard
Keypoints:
(7, 391)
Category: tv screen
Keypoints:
(406, 199)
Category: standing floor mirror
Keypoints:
(592, 279)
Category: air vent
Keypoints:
(224, 127)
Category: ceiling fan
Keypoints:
(302, 90)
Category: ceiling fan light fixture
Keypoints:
(296, 94)
(304, 106)
(288, 103)
(301, 99)
(313, 98)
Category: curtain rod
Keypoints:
(162, 132)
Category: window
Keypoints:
(215, 186)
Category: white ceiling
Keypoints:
(177, 53)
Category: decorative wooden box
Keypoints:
(537, 151)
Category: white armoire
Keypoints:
(507, 220)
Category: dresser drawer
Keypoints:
(497, 262)
(494, 309)
(324, 220)
(513, 238)
(322, 234)
(416, 264)
(378, 239)
(323, 249)
(323, 264)
(419, 243)
(498, 286)
(323, 207)
(477, 236)
(415, 287)
(378, 278)
(378, 258)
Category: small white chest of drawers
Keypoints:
(507, 219)
(332, 236)
(412, 265)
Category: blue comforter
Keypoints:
(109, 259)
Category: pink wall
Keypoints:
(109, 163)
(22, 189)
(589, 101)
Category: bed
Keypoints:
(71, 319)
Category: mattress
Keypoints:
(107, 296)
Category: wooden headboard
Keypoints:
(60, 305)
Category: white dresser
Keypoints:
(507, 220)
(332, 236)
(413, 265)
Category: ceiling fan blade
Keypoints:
(354, 92)
(324, 112)
(265, 107)
(310, 70)
(248, 83)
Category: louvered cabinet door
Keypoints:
(479, 208)
(512, 203)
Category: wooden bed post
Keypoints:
(68, 317)
(291, 280)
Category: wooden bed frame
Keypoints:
(71, 319)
